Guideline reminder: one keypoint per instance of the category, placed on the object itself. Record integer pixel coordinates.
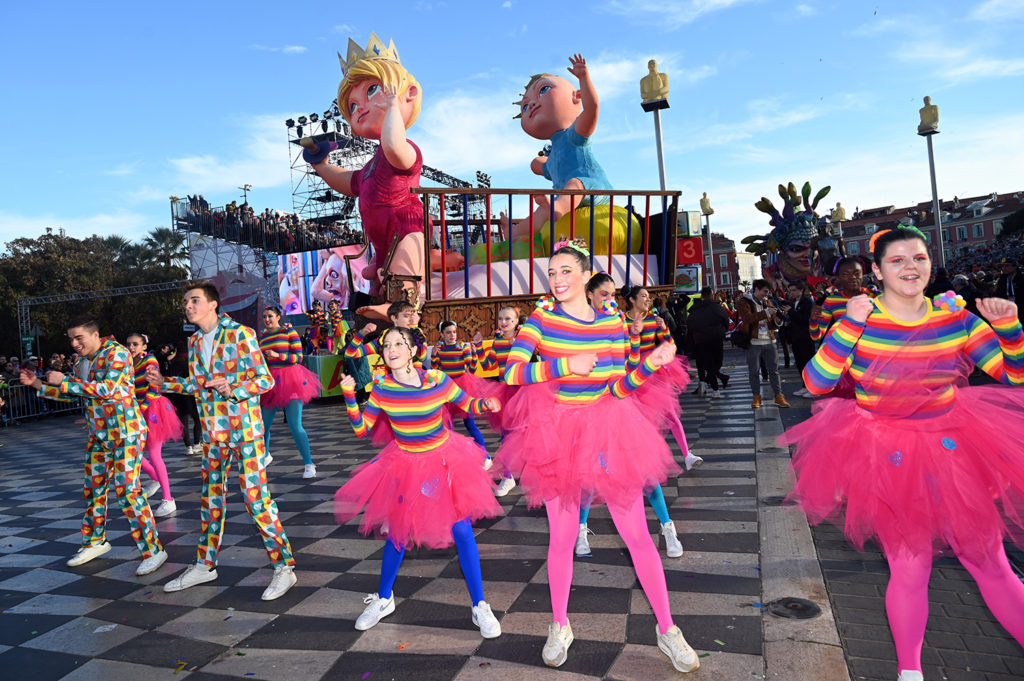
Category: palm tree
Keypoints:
(169, 247)
(116, 243)
(136, 257)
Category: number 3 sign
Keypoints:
(690, 251)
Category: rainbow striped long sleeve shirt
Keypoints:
(144, 392)
(415, 413)
(496, 356)
(650, 336)
(360, 347)
(286, 343)
(832, 310)
(555, 336)
(454, 360)
(928, 352)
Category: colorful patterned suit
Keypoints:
(117, 436)
(232, 430)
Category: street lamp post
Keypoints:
(654, 97)
(928, 128)
(706, 210)
(246, 188)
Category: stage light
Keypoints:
(337, 124)
(323, 126)
(328, 114)
(290, 123)
(313, 118)
(298, 132)
(302, 120)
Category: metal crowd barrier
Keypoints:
(22, 403)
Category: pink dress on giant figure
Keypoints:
(380, 99)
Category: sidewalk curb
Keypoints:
(794, 649)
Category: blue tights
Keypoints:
(474, 432)
(294, 413)
(469, 560)
(655, 497)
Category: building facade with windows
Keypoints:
(725, 272)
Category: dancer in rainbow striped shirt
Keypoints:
(918, 459)
(496, 357)
(459, 361)
(574, 437)
(426, 485)
(294, 385)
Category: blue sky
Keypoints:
(109, 108)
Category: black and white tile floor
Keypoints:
(100, 621)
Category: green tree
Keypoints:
(1013, 224)
(169, 247)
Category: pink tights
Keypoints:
(153, 466)
(677, 432)
(906, 598)
(631, 523)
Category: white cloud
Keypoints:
(261, 160)
(287, 49)
(668, 14)
(991, 68)
(806, 10)
(506, 4)
(123, 169)
(343, 28)
(998, 10)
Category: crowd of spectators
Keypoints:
(270, 230)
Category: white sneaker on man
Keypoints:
(193, 450)
(910, 675)
(284, 578)
(308, 471)
(582, 544)
(87, 553)
(193, 575)
(692, 461)
(267, 459)
(505, 486)
(672, 643)
(484, 618)
(376, 609)
(151, 488)
(152, 563)
(166, 508)
(673, 548)
(556, 648)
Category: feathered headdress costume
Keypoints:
(791, 225)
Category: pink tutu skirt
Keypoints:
(498, 420)
(658, 397)
(606, 449)
(420, 495)
(474, 386)
(294, 382)
(919, 484)
(162, 422)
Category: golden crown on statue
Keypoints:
(375, 49)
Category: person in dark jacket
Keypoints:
(708, 323)
(799, 321)
(1010, 285)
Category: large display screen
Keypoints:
(319, 275)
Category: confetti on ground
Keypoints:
(240, 654)
(485, 664)
(104, 628)
(365, 675)
(721, 643)
(403, 646)
(704, 655)
(250, 674)
(228, 617)
(231, 609)
(758, 605)
(181, 664)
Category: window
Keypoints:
(725, 279)
(961, 232)
(979, 230)
(977, 212)
(853, 248)
(997, 227)
(945, 236)
(723, 261)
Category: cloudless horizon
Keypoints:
(113, 108)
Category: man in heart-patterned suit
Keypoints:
(117, 435)
(227, 375)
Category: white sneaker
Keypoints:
(193, 575)
(166, 508)
(692, 461)
(308, 471)
(582, 545)
(267, 459)
(910, 675)
(505, 486)
(489, 625)
(151, 488)
(152, 563)
(672, 643)
(673, 549)
(87, 553)
(488, 462)
(556, 648)
(714, 393)
(284, 579)
(194, 450)
(376, 609)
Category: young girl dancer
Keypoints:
(496, 357)
(162, 424)
(337, 326)
(573, 436)
(317, 317)
(911, 461)
(659, 397)
(426, 485)
(458, 361)
(601, 290)
(849, 273)
(294, 384)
